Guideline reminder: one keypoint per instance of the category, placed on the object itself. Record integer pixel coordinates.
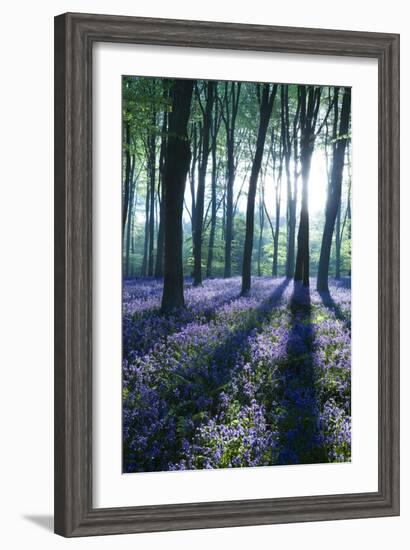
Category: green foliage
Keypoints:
(146, 101)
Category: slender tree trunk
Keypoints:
(152, 178)
(276, 238)
(229, 222)
(261, 227)
(127, 182)
(292, 190)
(310, 102)
(266, 105)
(192, 176)
(130, 220)
(178, 156)
(230, 114)
(335, 188)
(144, 268)
(302, 258)
(213, 191)
(133, 230)
(338, 244)
(159, 260)
(278, 188)
(199, 217)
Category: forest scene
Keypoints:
(236, 227)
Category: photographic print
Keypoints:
(236, 227)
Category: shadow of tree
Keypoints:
(165, 325)
(299, 434)
(199, 387)
(226, 354)
(330, 304)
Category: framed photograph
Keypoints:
(226, 274)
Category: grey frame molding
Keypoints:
(74, 38)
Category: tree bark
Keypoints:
(211, 244)
(335, 188)
(192, 173)
(152, 178)
(261, 227)
(144, 268)
(229, 116)
(159, 260)
(200, 198)
(338, 244)
(277, 225)
(310, 102)
(288, 140)
(178, 156)
(267, 98)
(130, 219)
(126, 198)
(278, 187)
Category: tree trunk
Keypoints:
(335, 188)
(159, 260)
(213, 190)
(144, 268)
(126, 198)
(133, 230)
(278, 187)
(192, 175)
(130, 220)
(265, 110)
(276, 237)
(152, 177)
(261, 227)
(178, 156)
(338, 243)
(230, 121)
(310, 102)
(200, 198)
(292, 190)
(229, 219)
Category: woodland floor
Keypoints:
(236, 381)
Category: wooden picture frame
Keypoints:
(75, 35)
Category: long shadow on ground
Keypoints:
(199, 387)
(299, 435)
(154, 324)
(330, 304)
(224, 357)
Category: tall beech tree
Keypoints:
(128, 172)
(340, 140)
(266, 96)
(195, 139)
(290, 144)
(177, 159)
(261, 225)
(277, 185)
(309, 110)
(144, 268)
(214, 137)
(278, 200)
(130, 217)
(159, 260)
(202, 168)
(229, 115)
(151, 168)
